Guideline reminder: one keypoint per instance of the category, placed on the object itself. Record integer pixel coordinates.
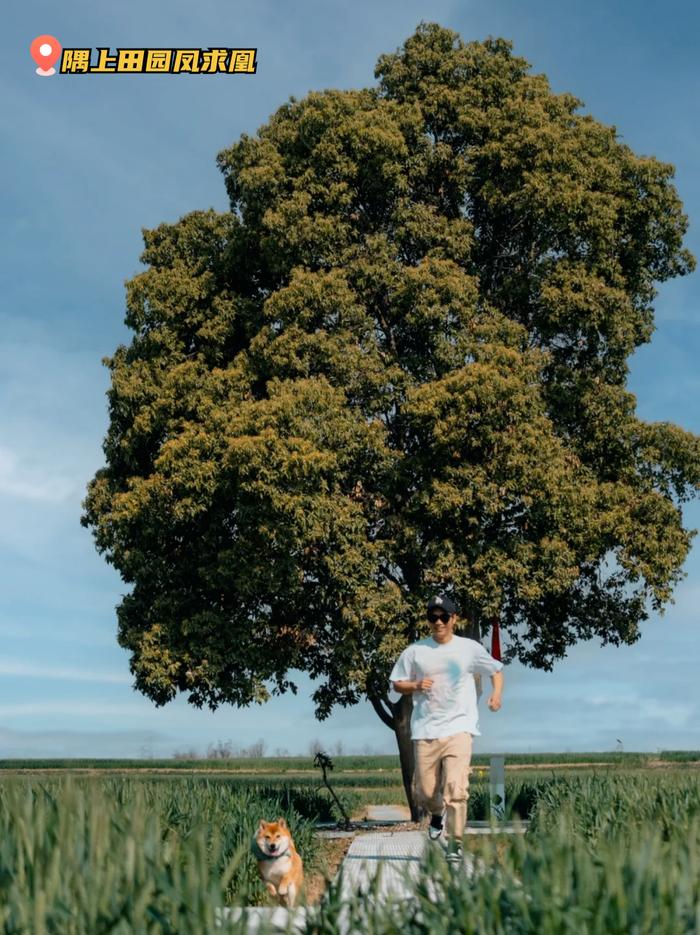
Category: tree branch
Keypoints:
(382, 711)
(392, 577)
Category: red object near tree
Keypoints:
(495, 640)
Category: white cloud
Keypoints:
(18, 744)
(31, 670)
(21, 479)
(646, 709)
(53, 405)
(89, 708)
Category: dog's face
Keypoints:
(273, 837)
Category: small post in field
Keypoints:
(324, 762)
(497, 788)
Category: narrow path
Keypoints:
(388, 813)
(389, 860)
(395, 855)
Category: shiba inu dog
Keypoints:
(279, 864)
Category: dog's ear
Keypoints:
(262, 825)
(281, 822)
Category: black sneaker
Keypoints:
(435, 828)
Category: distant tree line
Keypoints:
(227, 750)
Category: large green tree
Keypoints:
(398, 363)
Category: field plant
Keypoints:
(613, 853)
(548, 885)
(215, 763)
(605, 855)
(601, 807)
(133, 856)
(680, 756)
(360, 762)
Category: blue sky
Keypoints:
(89, 161)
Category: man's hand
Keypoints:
(408, 688)
(496, 689)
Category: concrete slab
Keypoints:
(388, 863)
(265, 919)
(388, 813)
(331, 834)
(389, 844)
(506, 827)
(388, 860)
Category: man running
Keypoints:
(439, 673)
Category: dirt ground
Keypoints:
(295, 774)
(333, 851)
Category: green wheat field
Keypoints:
(613, 845)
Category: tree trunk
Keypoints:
(397, 716)
(402, 727)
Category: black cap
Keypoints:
(441, 602)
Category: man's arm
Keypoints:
(407, 687)
(497, 690)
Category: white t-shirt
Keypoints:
(450, 705)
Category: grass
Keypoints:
(611, 849)
(547, 885)
(243, 764)
(363, 764)
(610, 854)
(134, 856)
(680, 756)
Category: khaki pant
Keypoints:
(441, 778)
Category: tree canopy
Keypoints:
(397, 364)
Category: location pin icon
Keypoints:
(46, 51)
